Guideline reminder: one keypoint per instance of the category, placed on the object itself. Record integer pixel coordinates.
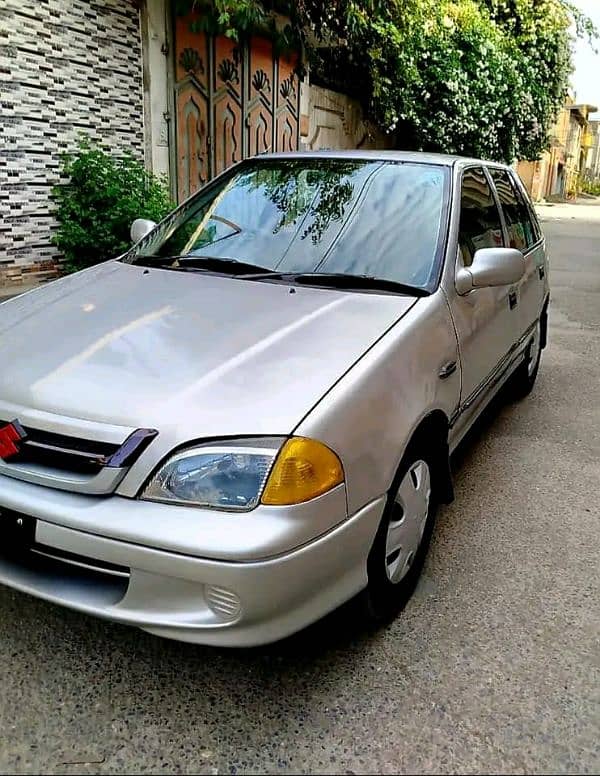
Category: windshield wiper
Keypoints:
(345, 281)
(249, 271)
(195, 263)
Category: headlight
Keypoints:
(234, 475)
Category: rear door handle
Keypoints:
(447, 370)
(541, 271)
(512, 299)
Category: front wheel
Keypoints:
(400, 547)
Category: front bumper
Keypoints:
(201, 600)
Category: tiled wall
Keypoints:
(66, 66)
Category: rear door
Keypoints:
(525, 235)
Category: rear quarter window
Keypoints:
(523, 231)
(535, 224)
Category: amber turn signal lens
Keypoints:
(303, 470)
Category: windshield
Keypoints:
(367, 218)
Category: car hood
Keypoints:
(193, 355)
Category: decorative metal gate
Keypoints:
(232, 101)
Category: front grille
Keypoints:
(46, 448)
(72, 463)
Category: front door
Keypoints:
(232, 100)
(486, 319)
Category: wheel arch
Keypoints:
(432, 431)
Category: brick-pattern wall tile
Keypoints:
(66, 66)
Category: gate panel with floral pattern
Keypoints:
(232, 100)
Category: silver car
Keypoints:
(247, 419)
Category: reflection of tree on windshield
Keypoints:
(197, 232)
(307, 199)
(175, 245)
(317, 196)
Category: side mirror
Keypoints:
(491, 267)
(140, 228)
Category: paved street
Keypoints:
(494, 665)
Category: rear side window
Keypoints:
(521, 229)
(480, 225)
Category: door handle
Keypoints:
(512, 299)
(447, 370)
(541, 271)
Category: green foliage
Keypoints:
(539, 31)
(103, 195)
(591, 187)
(237, 19)
(226, 17)
(479, 77)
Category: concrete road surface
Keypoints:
(493, 667)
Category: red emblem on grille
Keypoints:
(10, 436)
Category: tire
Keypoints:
(392, 574)
(523, 379)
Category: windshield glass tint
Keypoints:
(381, 219)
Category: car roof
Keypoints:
(447, 160)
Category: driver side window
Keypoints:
(480, 225)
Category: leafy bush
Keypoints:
(104, 194)
(591, 187)
(460, 76)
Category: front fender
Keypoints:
(370, 415)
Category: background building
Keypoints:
(559, 172)
(591, 171)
